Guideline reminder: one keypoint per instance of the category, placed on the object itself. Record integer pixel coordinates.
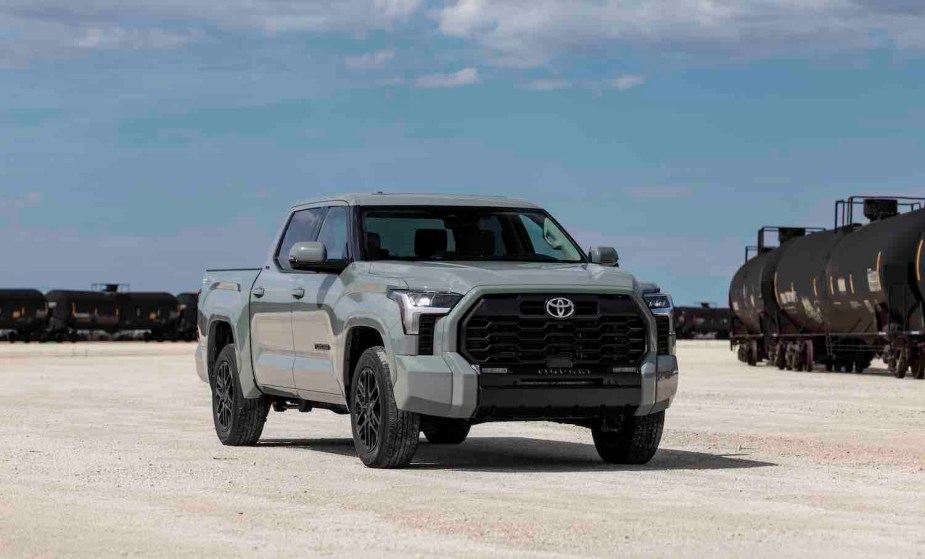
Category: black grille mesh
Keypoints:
(663, 325)
(515, 330)
(426, 334)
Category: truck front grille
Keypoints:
(516, 331)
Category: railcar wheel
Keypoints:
(918, 367)
(860, 363)
(780, 357)
(809, 358)
(902, 364)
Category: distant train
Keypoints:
(61, 315)
(706, 322)
(838, 297)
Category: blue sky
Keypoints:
(142, 144)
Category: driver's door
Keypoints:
(313, 319)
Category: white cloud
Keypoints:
(466, 76)
(55, 28)
(112, 38)
(548, 85)
(527, 34)
(626, 82)
(369, 61)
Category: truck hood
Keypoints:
(460, 277)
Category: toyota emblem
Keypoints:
(560, 307)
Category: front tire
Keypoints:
(444, 430)
(238, 420)
(384, 436)
(628, 439)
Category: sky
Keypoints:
(144, 142)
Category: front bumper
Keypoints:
(447, 386)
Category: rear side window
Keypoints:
(303, 228)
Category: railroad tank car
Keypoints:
(848, 294)
(704, 322)
(188, 310)
(23, 314)
(755, 313)
(155, 313)
(874, 287)
(73, 311)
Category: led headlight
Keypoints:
(416, 303)
(659, 303)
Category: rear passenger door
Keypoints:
(271, 305)
(313, 315)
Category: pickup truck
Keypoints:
(429, 314)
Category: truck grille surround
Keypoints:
(516, 332)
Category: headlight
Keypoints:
(416, 303)
(659, 303)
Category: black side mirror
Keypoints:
(605, 256)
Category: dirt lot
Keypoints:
(108, 450)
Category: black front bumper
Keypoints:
(513, 396)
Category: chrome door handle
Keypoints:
(258, 292)
(298, 293)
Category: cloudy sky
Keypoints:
(144, 141)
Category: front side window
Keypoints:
(303, 228)
(465, 233)
(334, 233)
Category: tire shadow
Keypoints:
(520, 454)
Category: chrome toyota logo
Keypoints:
(560, 307)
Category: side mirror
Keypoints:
(303, 256)
(605, 256)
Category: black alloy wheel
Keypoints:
(224, 396)
(368, 405)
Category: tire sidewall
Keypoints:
(227, 355)
(371, 360)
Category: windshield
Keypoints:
(465, 233)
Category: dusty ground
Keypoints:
(108, 450)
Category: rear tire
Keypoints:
(384, 436)
(443, 430)
(628, 439)
(238, 420)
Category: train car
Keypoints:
(73, 312)
(755, 313)
(838, 297)
(188, 316)
(23, 314)
(154, 313)
(706, 322)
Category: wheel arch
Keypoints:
(360, 335)
(222, 331)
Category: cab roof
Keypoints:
(408, 199)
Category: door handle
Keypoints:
(258, 292)
(298, 293)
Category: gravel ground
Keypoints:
(109, 450)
